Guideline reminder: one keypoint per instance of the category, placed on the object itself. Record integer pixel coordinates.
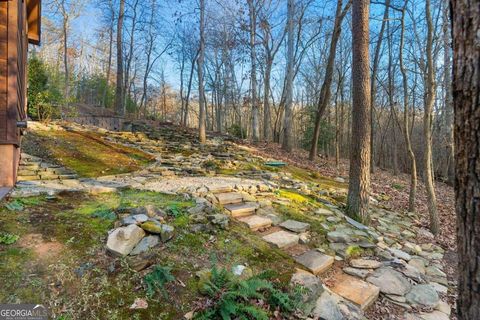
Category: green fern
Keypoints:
(157, 279)
(233, 298)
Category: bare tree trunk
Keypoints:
(202, 135)
(65, 28)
(287, 143)
(427, 124)
(447, 85)
(253, 72)
(109, 63)
(189, 90)
(406, 129)
(466, 88)
(119, 105)
(359, 184)
(266, 103)
(373, 86)
(325, 92)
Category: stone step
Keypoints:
(28, 178)
(315, 261)
(241, 209)
(282, 239)
(255, 222)
(361, 293)
(220, 189)
(229, 197)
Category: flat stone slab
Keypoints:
(360, 273)
(220, 189)
(241, 209)
(295, 226)
(361, 293)
(315, 261)
(282, 239)
(365, 264)
(255, 222)
(390, 281)
(229, 197)
(423, 295)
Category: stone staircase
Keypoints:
(286, 236)
(33, 168)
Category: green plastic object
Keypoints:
(275, 164)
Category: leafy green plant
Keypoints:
(8, 238)
(15, 205)
(105, 214)
(230, 297)
(353, 251)
(174, 210)
(157, 279)
(398, 186)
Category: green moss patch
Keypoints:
(88, 154)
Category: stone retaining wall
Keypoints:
(111, 123)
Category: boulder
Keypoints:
(327, 308)
(313, 288)
(164, 230)
(121, 241)
(134, 219)
(145, 244)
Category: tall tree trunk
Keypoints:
(359, 184)
(287, 143)
(253, 72)
(466, 99)
(202, 135)
(427, 124)
(325, 92)
(109, 64)
(119, 105)
(65, 58)
(406, 129)
(447, 85)
(189, 90)
(373, 87)
(266, 101)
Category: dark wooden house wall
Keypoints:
(13, 57)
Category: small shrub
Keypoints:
(211, 165)
(8, 238)
(237, 131)
(398, 186)
(157, 279)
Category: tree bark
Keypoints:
(202, 135)
(119, 105)
(287, 143)
(406, 129)
(427, 124)
(359, 184)
(253, 72)
(466, 100)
